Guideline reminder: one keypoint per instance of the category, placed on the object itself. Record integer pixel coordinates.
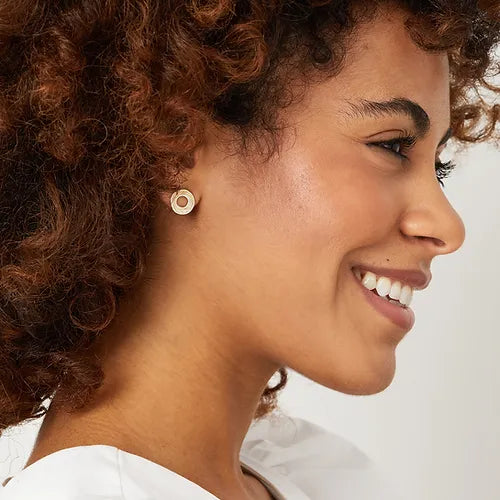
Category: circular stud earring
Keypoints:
(189, 198)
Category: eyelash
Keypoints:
(443, 170)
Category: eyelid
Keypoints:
(407, 141)
(443, 169)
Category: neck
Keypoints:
(180, 394)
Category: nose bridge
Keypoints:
(431, 216)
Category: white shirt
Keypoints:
(295, 458)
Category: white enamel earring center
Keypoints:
(190, 201)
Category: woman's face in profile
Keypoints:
(279, 251)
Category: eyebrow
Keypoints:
(395, 106)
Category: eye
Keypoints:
(405, 143)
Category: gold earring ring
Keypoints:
(189, 205)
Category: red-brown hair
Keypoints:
(102, 103)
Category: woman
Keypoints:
(196, 195)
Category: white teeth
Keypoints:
(406, 295)
(369, 280)
(395, 290)
(384, 286)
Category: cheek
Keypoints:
(308, 214)
(338, 203)
(316, 206)
(366, 209)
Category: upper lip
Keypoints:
(413, 277)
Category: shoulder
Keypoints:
(98, 472)
(64, 475)
(322, 463)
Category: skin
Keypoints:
(260, 277)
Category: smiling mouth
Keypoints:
(400, 314)
(382, 287)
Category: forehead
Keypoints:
(383, 61)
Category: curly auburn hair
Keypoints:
(102, 103)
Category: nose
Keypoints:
(431, 217)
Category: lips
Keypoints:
(403, 317)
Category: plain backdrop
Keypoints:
(435, 430)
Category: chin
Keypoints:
(372, 388)
(372, 380)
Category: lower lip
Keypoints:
(404, 317)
